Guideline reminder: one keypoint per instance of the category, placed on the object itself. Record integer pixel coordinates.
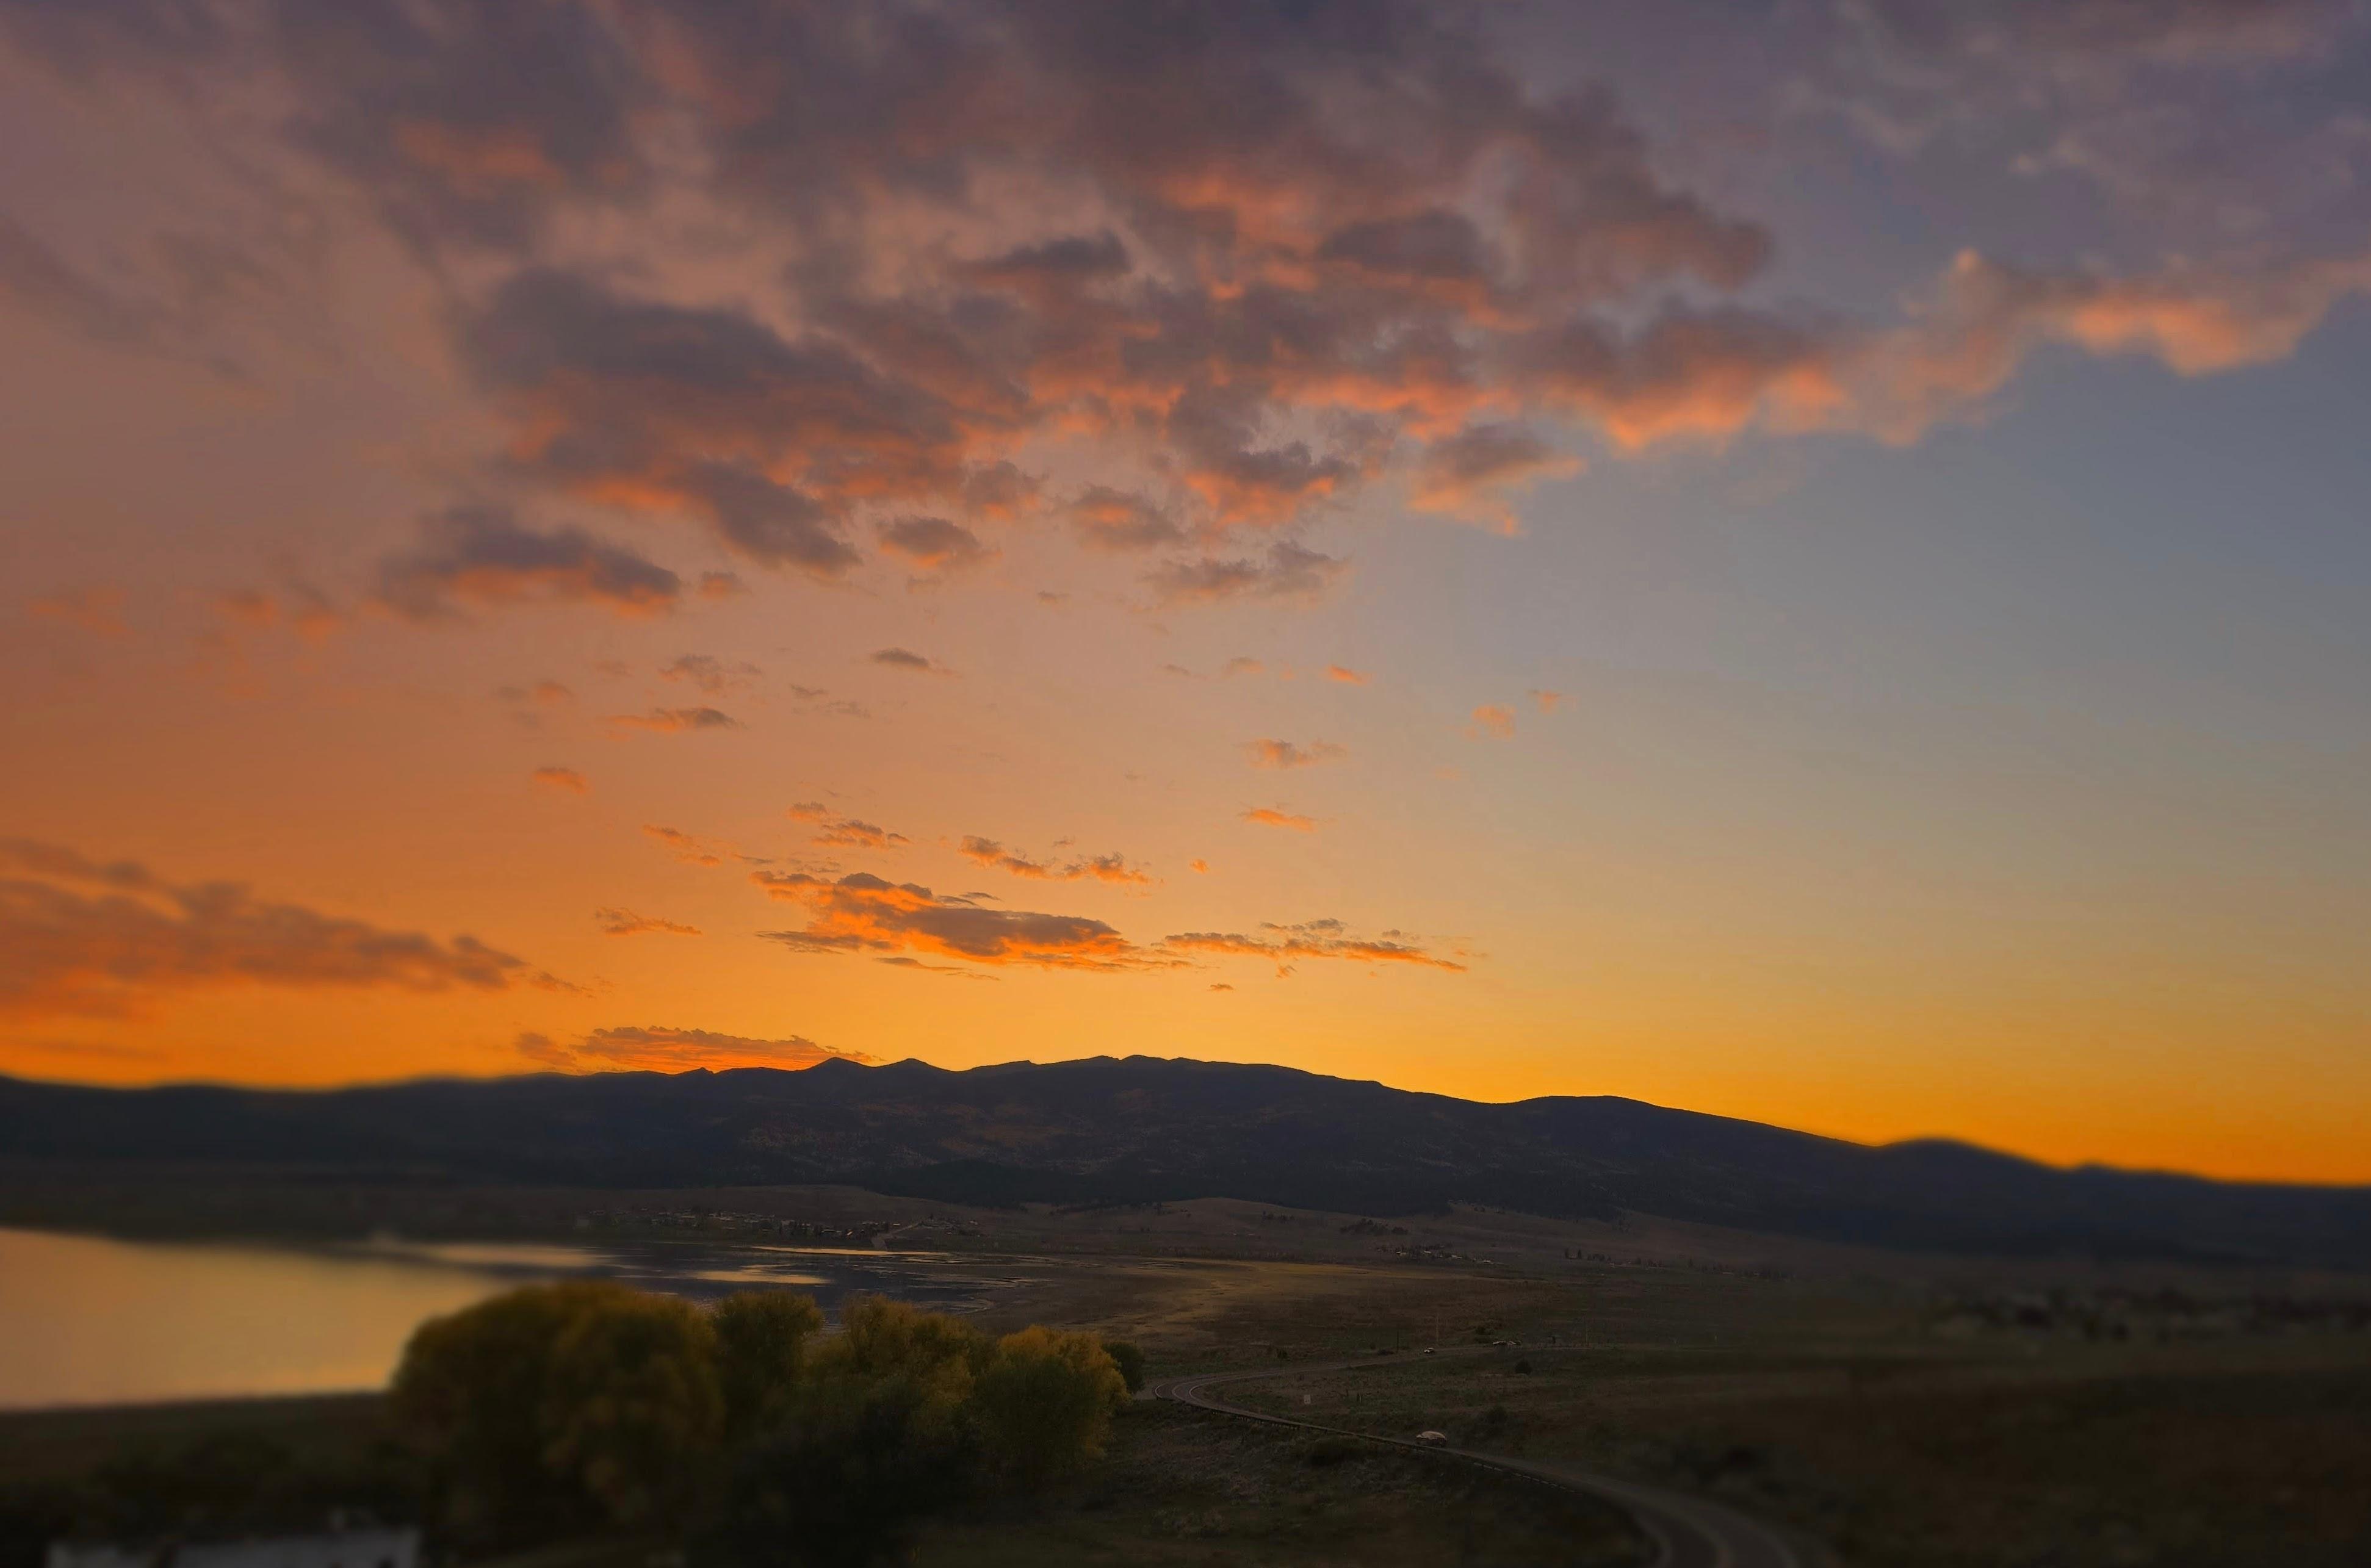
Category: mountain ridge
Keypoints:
(1110, 1129)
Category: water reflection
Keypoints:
(90, 1321)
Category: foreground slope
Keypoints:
(1142, 1129)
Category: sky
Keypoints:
(1804, 560)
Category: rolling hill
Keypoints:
(1110, 1130)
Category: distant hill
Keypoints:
(1138, 1129)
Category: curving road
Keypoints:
(1688, 1532)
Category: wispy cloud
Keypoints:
(91, 939)
(626, 923)
(566, 778)
(96, 610)
(1312, 939)
(482, 556)
(1492, 721)
(654, 1049)
(862, 913)
(907, 660)
(1266, 817)
(844, 832)
(708, 673)
(674, 720)
(1113, 868)
(1286, 753)
(1345, 675)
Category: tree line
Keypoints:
(741, 1429)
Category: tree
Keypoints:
(1044, 1404)
(841, 1482)
(762, 1343)
(471, 1392)
(632, 1412)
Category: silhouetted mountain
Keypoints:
(1113, 1131)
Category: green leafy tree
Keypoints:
(1043, 1406)
(470, 1393)
(761, 1346)
(855, 1464)
(633, 1414)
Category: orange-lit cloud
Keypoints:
(721, 585)
(844, 832)
(1113, 868)
(566, 778)
(907, 660)
(1107, 519)
(1493, 720)
(1287, 753)
(626, 923)
(690, 850)
(654, 1049)
(674, 720)
(934, 543)
(98, 610)
(710, 673)
(481, 556)
(862, 913)
(1346, 675)
(1472, 473)
(79, 937)
(1264, 816)
(1314, 939)
(1547, 701)
(1287, 571)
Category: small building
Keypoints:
(366, 1546)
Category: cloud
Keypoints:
(690, 850)
(844, 832)
(906, 659)
(1199, 866)
(96, 610)
(1264, 816)
(1250, 262)
(1113, 868)
(710, 673)
(1312, 939)
(1494, 721)
(656, 1049)
(626, 923)
(1111, 520)
(82, 938)
(566, 778)
(1469, 474)
(721, 585)
(1287, 571)
(1547, 701)
(1346, 676)
(674, 720)
(1242, 665)
(481, 556)
(1286, 753)
(934, 543)
(300, 606)
(862, 913)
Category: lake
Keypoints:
(88, 1320)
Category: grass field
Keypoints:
(1911, 1413)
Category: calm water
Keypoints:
(87, 1321)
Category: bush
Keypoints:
(761, 1342)
(1043, 1406)
(843, 1479)
(634, 1416)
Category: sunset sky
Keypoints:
(1806, 561)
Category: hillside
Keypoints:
(1112, 1131)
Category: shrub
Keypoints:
(761, 1345)
(1043, 1406)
